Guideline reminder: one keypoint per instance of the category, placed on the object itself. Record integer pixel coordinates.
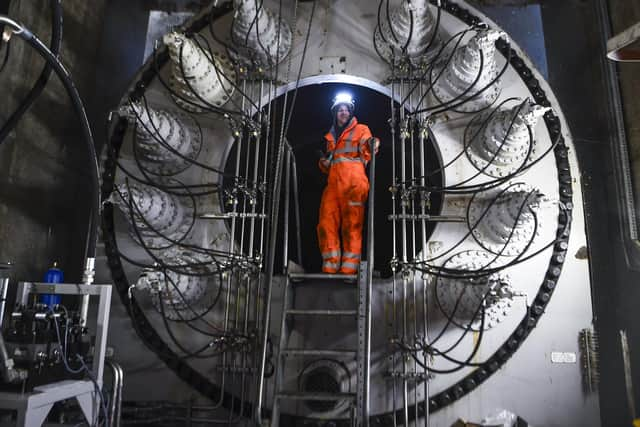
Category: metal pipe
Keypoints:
(259, 364)
(87, 279)
(277, 371)
(256, 166)
(403, 209)
(238, 141)
(270, 266)
(246, 171)
(423, 211)
(394, 234)
(256, 190)
(245, 278)
(412, 123)
(287, 196)
(271, 96)
(116, 397)
(370, 257)
(241, 280)
(4, 286)
(628, 378)
(296, 202)
(10, 374)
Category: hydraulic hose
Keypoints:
(43, 79)
(73, 94)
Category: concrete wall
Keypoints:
(623, 15)
(43, 173)
(578, 74)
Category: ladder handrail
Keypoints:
(291, 180)
(296, 203)
(275, 202)
(370, 253)
(285, 159)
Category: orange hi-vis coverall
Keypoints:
(344, 197)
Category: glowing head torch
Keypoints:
(343, 98)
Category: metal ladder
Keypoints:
(359, 353)
(362, 353)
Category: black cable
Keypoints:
(7, 53)
(518, 260)
(464, 364)
(436, 59)
(471, 227)
(210, 252)
(467, 141)
(167, 188)
(430, 348)
(456, 100)
(175, 96)
(197, 354)
(379, 26)
(164, 267)
(78, 106)
(483, 268)
(435, 29)
(304, 53)
(83, 367)
(406, 45)
(163, 143)
(228, 47)
(211, 59)
(391, 30)
(204, 104)
(176, 268)
(155, 133)
(499, 181)
(43, 79)
(159, 233)
(191, 194)
(452, 104)
(246, 39)
(197, 315)
(502, 143)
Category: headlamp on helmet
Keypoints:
(343, 98)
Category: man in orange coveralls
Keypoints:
(343, 200)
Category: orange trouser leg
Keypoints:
(328, 230)
(352, 222)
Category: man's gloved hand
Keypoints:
(376, 144)
(325, 163)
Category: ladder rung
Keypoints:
(325, 276)
(317, 396)
(317, 352)
(323, 312)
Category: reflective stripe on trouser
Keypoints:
(350, 263)
(352, 221)
(331, 261)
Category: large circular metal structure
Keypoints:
(487, 205)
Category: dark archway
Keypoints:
(310, 120)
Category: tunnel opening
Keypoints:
(310, 119)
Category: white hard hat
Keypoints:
(343, 98)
